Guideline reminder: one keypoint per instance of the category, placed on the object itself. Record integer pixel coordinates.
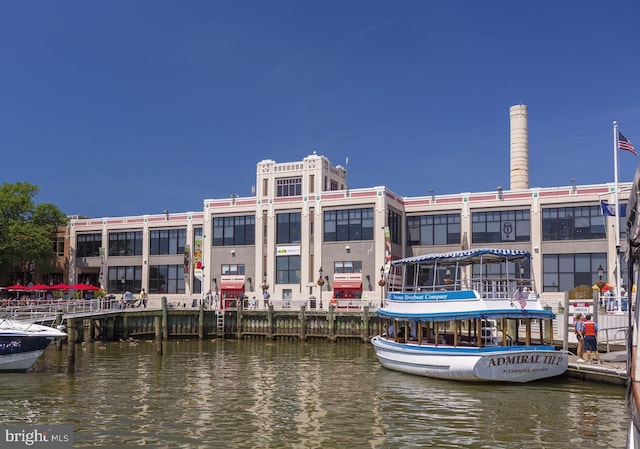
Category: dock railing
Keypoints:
(612, 336)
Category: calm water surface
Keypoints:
(287, 394)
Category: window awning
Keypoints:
(347, 285)
(238, 285)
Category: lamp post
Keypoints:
(320, 284)
(600, 284)
(382, 283)
(122, 282)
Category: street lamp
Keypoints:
(320, 284)
(600, 283)
(122, 281)
(382, 283)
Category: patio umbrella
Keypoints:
(38, 287)
(60, 287)
(17, 288)
(84, 287)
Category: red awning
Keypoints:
(238, 285)
(347, 285)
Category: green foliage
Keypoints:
(581, 292)
(27, 230)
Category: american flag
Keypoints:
(522, 300)
(624, 144)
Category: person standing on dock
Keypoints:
(208, 299)
(579, 331)
(143, 298)
(590, 332)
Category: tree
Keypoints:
(27, 230)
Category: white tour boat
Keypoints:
(467, 315)
(21, 343)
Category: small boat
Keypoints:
(467, 315)
(21, 343)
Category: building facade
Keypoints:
(306, 234)
(305, 223)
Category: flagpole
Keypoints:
(617, 216)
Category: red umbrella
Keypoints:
(17, 288)
(60, 287)
(84, 287)
(38, 287)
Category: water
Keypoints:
(287, 394)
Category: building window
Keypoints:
(348, 224)
(131, 275)
(347, 266)
(394, 221)
(425, 230)
(289, 187)
(166, 279)
(501, 226)
(334, 185)
(88, 245)
(230, 231)
(564, 272)
(312, 183)
(289, 228)
(167, 241)
(573, 223)
(125, 243)
(235, 269)
(288, 270)
(58, 246)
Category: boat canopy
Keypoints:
(469, 315)
(468, 257)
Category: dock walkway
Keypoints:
(612, 371)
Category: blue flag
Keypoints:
(610, 209)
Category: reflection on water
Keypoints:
(265, 394)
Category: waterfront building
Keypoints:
(305, 223)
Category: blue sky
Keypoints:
(132, 107)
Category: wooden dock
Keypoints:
(612, 371)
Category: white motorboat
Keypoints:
(467, 315)
(21, 343)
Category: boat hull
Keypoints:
(19, 353)
(499, 364)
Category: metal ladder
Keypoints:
(220, 323)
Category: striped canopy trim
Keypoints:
(451, 316)
(470, 256)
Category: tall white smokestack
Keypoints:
(519, 147)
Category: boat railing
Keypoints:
(498, 289)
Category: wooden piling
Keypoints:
(365, 324)
(165, 320)
(201, 321)
(331, 319)
(87, 327)
(125, 326)
(270, 323)
(302, 322)
(157, 327)
(71, 352)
